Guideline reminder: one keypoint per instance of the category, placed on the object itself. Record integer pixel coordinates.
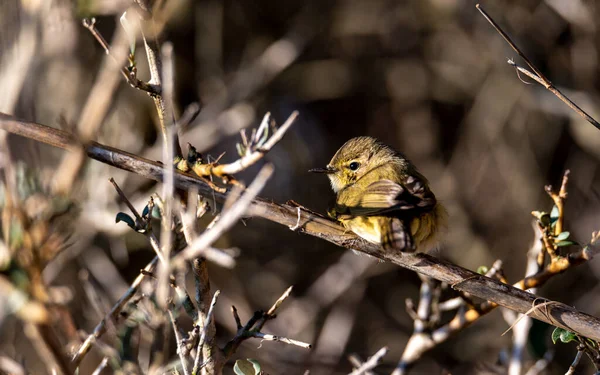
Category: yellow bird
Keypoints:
(382, 197)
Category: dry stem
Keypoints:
(537, 75)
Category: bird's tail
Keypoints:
(396, 236)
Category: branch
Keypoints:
(113, 313)
(151, 89)
(371, 363)
(537, 75)
(203, 335)
(253, 327)
(313, 224)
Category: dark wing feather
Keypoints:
(385, 197)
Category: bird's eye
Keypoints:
(354, 165)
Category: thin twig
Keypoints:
(537, 75)
(372, 362)
(48, 348)
(285, 340)
(227, 220)
(93, 114)
(254, 326)
(166, 233)
(178, 341)
(214, 255)
(90, 24)
(575, 363)
(356, 362)
(155, 64)
(140, 221)
(112, 314)
(521, 329)
(101, 366)
(202, 340)
(250, 158)
(236, 317)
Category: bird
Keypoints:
(382, 197)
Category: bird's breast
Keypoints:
(367, 227)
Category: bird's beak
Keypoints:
(327, 170)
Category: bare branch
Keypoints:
(285, 340)
(202, 340)
(112, 314)
(537, 75)
(371, 363)
(255, 324)
(178, 341)
(228, 218)
(253, 154)
(575, 363)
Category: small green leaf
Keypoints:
(156, 213)
(554, 216)
(482, 270)
(567, 336)
(563, 335)
(566, 243)
(244, 367)
(556, 334)
(563, 236)
(554, 213)
(121, 216)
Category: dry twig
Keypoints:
(371, 363)
(537, 75)
(255, 324)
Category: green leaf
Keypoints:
(563, 335)
(556, 334)
(244, 367)
(554, 215)
(566, 243)
(563, 236)
(482, 270)
(145, 211)
(156, 213)
(567, 336)
(121, 216)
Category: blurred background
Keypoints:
(429, 78)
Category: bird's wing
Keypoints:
(385, 197)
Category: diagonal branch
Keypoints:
(537, 75)
(313, 224)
